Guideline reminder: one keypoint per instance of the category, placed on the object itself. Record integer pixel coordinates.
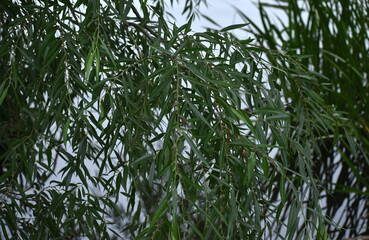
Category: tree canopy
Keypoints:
(117, 124)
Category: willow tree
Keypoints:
(331, 38)
(116, 123)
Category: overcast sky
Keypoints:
(221, 11)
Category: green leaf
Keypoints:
(161, 49)
(88, 65)
(241, 115)
(203, 77)
(196, 150)
(3, 92)
(175, 229)
(196, 112)
(160, 211)
(250, 167)
(234, 26)
(97, 59)
(65, 132)
(82, 149)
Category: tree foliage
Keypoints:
(118, 124)
(331, 38)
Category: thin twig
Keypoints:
(142, 30)
(141, 20)
(358, 237)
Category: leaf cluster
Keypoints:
(116, 124)
(330, 38)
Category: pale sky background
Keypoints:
(223, 12)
